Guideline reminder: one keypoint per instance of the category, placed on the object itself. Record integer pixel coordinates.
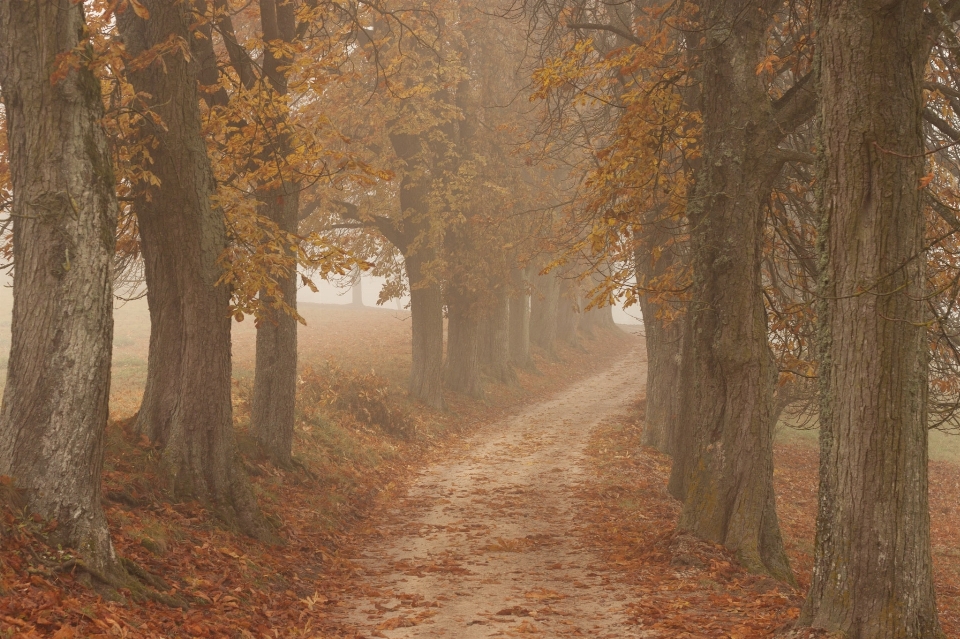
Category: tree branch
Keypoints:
(944, 211)
(942, 88)
(941, 125)
(385, 225)
(796, 106)
(789, 155)
(596, 26)
(239, 57)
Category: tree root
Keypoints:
(137, 571)
(78, 564)
(125, 498)
(302, 467)
(251, 469)
(128, 575)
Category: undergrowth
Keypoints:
(363, 399)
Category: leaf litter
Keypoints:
(518, 568)
(235, 586)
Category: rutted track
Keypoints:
(486, 543)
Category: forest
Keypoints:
(190, 447)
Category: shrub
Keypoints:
(364, 397)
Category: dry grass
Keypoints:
(368, 339)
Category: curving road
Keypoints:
(486, 544)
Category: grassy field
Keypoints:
(944, 446)
(368, 339)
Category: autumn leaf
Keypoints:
(142, 12)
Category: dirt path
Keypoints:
(486, 544)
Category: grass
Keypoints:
(357, 434)
(944, 446)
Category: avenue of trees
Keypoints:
(776, 184)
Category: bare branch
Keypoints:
(596, 26)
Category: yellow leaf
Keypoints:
(141, 11)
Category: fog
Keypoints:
(328, 293)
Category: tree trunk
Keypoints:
(495, 341)
(569, 312)
(272, 414)
(414, 237)
(598, 320)
(543, 312)
(520, 321)
(356, 288)
(462, 373)
(426, 319)
(182, 237)
(662, 339)
(729, 485)
(654, 258)
(55, 402)
(682, 438)
(165, 302)
(872, 565)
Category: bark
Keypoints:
(272, 414)
(729, 496)
(161, 391)
(462, 372)
(543, 312)
(872, 565)
(520, 320)
(426, 318)
(663, 342)
(662, 337)
(495, 341)
(569, 312)
(682, 438)
(414, 237)
(187, 405)
(55, 402)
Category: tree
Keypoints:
(729, 397)
(464, 294)
(483, 204)
(267, 134)
(724, 473)
(186, 408)
(655, 257)
(544, 305)
(356, 288)
(414, 118)
(872, 572)
(495, 339)
(437, 125)
(519, 318)
(64, 213)
(272, 413)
